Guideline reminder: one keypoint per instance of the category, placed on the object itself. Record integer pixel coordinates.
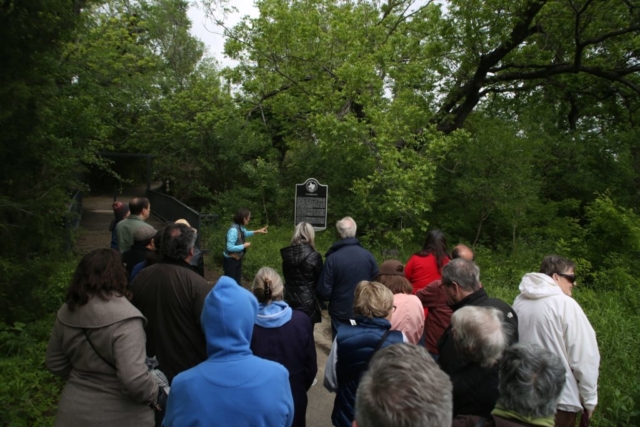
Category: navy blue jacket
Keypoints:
(291, 345)
(347, 264)
(355, 347)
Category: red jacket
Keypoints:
(439, 318)
(422, 270)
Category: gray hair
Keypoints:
(267, 286)
(346, 227)
(480, 334)
(404, 388)
(555, 264)
(531, 380)
(304, 233)
(465, 273)
(177, 241)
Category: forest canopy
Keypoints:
(489, 119)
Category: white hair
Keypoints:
(346, 227)
(480, 334)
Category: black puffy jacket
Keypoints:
(302, 266)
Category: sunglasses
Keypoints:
(570, 277)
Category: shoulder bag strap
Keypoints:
(377, 347)
(159, 406)
(94, 349)
(382, 340)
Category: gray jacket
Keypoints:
(96, 394)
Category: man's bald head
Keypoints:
(464, 252)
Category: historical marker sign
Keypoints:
(311, 204)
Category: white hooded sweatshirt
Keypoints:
(555, 321)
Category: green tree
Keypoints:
(374, 83)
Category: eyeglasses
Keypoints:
(570, 277)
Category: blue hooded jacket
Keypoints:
(232, 387)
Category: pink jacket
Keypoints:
(408, 317)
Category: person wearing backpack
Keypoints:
(236, 246)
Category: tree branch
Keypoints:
(449, 118)
(613, 75)
(283, 88)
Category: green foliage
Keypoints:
(617, 326)
(28, 393)
(612, 231)
(29, 292)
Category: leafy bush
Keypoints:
(28, 392)
(617, 328)
(37, 285)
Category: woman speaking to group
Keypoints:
(236, 245)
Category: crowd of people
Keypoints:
(143, 339)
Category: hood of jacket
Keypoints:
(227, 319)
(98, 312)
(295, 255)
(348, 241)
(273, 315)
(538, 285)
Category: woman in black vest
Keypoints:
(236, 244)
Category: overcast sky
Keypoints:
(211, 34)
